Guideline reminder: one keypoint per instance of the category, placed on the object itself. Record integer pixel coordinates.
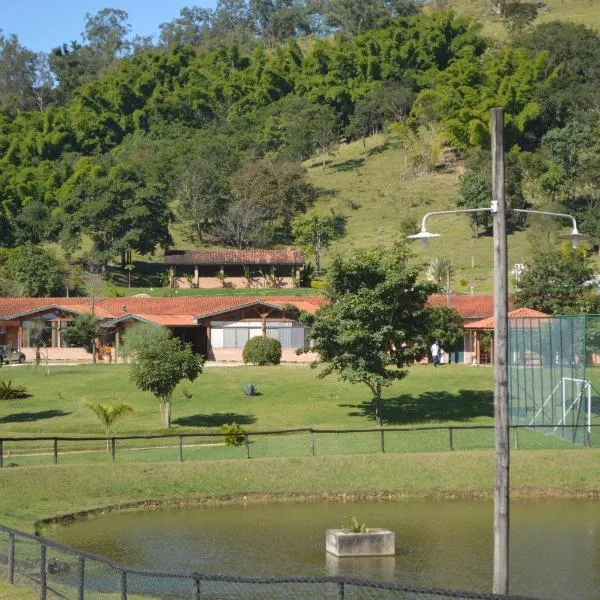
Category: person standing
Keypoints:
(435, 353)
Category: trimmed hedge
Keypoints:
(262, 351)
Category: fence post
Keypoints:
(123, 585)
(451, 437)
(1, 453)
(382, 435)
(113, 449)
(43, 586)
(180, 448)
(340, 590)
(81, 583)
(516, 438)
(11, 558)
(312, 442)
(247, 445)
(196, 588)
(55, 451)
(586, 437)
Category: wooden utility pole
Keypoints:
(501, 488)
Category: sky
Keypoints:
(44, 24)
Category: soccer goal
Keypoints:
(567, 407)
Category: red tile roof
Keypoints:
(178, 308)
(234, 257)
(478, 306)
(530, 319)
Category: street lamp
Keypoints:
(501, 426)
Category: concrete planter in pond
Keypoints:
(374, 542)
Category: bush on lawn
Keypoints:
(262, 351)
(8, 391)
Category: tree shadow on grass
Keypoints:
(349, 165)
(28, 417)
(429, 406)
(215, 420)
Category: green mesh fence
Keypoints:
(554, 368)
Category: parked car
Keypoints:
(8, 355)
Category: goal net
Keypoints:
(552, 368)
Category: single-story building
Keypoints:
(217, 327)
(471, 308)
(528, 318)
(234, 268)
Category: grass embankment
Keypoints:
(584, 12)
(366, 186)
(53, 491)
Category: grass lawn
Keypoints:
(291, 397)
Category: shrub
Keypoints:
(250, 390)
(318, 284)
(234, 434)
(262, 351)
(10, 392)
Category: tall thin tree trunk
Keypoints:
(378, 418)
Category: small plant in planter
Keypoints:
(250, 390)
(356, 527)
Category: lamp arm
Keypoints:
(451, 212)
(550, 214)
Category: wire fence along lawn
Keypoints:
(24, 451)
(56, 571)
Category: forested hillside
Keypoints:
(110, 148)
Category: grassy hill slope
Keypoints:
(585, 12)
(366, 186)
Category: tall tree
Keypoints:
(203, 196)
(373, 326)
(314, 233)
(556, 281)
(160, 368)
(189, 29)
(280, 189)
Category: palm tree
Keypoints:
(108, 414)
(440, 270)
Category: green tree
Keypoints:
(108, 415)
(555, 281)
(314, 233)
(203, 196)
(445, 326)
(160, 368)
(84, 331)
(373, 326)
(280, 189)
(141, 336)
(37, 271)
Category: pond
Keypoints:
(555, 543)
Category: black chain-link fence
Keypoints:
(24, 451)
(52, 570)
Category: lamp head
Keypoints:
(423, 236)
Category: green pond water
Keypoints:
(555, 543)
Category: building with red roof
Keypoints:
(234, 268)
(217, 326)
